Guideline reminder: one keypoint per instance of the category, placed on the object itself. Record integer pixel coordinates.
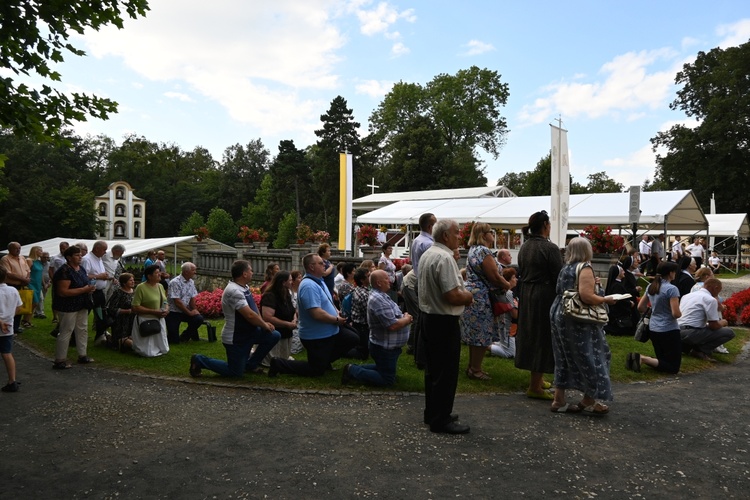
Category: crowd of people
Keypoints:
(375, 310)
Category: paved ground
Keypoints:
(91, 433)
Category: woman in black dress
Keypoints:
(539, 262)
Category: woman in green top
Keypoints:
(150, 302)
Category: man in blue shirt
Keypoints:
(419, 246)
(389, 331)
(322, 329)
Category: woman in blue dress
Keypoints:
(582, 355)
(36, 284)
(479, 328)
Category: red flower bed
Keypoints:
(737, 311)
(209, 303)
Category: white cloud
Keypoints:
(399, 49)
(179, 96)
(627, 87)
(379, 19)
(373, 88)
(475, 47)
(137, 85)
(288, 46)
(734, 34)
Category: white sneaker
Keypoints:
(721, 350)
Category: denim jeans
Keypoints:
(320, 354)
(383, 372)
(237, 362)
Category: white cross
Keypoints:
(373, 186)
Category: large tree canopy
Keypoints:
(463, 109)
(34, 34)
(714, 156)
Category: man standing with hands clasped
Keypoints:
(442, 299)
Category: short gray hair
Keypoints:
(188, 266)
(99, 244)
(440, 228)
(118, 248)
(579, 250)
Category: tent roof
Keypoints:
(728, 225)
(378, 200)
(680, 209)
(184, 246)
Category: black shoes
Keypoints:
(273, 368)
(452, 428)
(345, 376)
(195, 368)
(11, 387)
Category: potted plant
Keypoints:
(304, 233)
(321, 236)
(603, 241)
(465, 233)
(201, 233)
(367, 235)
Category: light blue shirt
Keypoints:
(661, 309)
(419, 246)
(314, 293)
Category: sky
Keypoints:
(214, 74)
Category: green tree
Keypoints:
(338, 135)
(75, 205)
(194, 221)
(465, 110)
(221, 226)
(515, 181)
(242, 169)
(291, 171)
(286, 233)
(257, 214)
(537, 182)
(33, 36)
(601, 183)
(713, 156)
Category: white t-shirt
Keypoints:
(10, 299)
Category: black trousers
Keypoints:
(320, 354)
(100, 319)
(441, 335)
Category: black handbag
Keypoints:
(642, 333)
(149, 327)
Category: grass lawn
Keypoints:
(505, 377)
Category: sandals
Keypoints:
(480, 375)
(84, 360)
(61, 365)
(566, 408)
(595, 409)
(26, 324)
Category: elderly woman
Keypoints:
(582, 356)
(539, 261)
(150, 302)
(664, 330)
(276, 308)
(701, 275)
(72, 299)
(36, 284)
(120, 307)
(478, 325)
(347, 284)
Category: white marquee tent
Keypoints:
(379, 200)
(178, 249)
(677, 210)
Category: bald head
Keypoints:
(713, 285)
(379, 280)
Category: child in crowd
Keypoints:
(10, 303)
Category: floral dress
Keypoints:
(582, 355)
(478, 324)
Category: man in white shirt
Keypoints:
(645, 248)
(94, 266)
(677, 250)
(696, 251)
(701, 328)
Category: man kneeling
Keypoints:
(389, 332)
(243, 329)
(701, 328)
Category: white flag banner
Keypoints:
(560, 184)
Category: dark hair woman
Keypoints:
(276, 308)
(150, 302)
(271, 269)
(72, 300)
(120, 307)
(623, 314)
(539, 263)
(664, 329)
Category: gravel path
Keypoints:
(730, 286)
(90, 433)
